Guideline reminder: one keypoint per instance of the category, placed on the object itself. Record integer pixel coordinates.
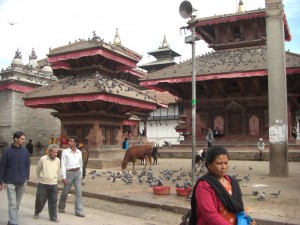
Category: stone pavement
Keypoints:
(97, 211)
(274, 210)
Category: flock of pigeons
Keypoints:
(179, 178)
(259, 196)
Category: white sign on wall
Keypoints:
(278, 132)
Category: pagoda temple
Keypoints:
(232, 80)
(15, 80)
(97, 92)
(164, 58)
(159, 127)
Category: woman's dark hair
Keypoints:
(213, 152)
(18, 134)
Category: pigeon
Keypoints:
(11, 23)
(186, 184)
(254, 193)
(234, 167)
(250, 168)
(160, 183)
(140, 180)
(178, 185)
(275, 194)
(262, 196)
(247, 178)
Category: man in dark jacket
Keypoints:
(14, 173)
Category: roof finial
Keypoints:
(165, 43)
(117, 39)
(18, 54)
(33, 55)
(241, 7)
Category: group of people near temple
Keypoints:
(15, 172)
(216, 197)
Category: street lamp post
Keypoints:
(186, 11)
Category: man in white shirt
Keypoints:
(71, 169)
(47, 171)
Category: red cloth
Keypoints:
(208, 205)
(63, 140)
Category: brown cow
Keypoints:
(137, 152)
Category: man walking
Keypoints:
(14, 173)
(71, 169)
(47, 171)
(209, 138)
(29, 147)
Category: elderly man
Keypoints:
(47, 171)
(260, 148)
(71, 170)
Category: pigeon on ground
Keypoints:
(178, 185)
(160, 183)
(140, 180)
(234, 167)
(275, 194)
(250, 168)
(254, 193)
(186, 184)
(247, 178)
(262, 196)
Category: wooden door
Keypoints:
(235, 124)
(108, 137)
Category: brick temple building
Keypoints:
(97, 92)
(232, 80)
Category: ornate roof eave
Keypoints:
(219, 65)
(136, 72)
(91, 88)
(40, 102)
(95, 43)
(158, 62)
(54, 59)
(261, 41)
(160, 51)
(236, 17)
(152, 83)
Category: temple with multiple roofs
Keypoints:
(232, 80)
(97, 96)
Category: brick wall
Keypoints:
(37, 124)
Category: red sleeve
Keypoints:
(208, 204)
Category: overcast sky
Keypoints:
(142, 24)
